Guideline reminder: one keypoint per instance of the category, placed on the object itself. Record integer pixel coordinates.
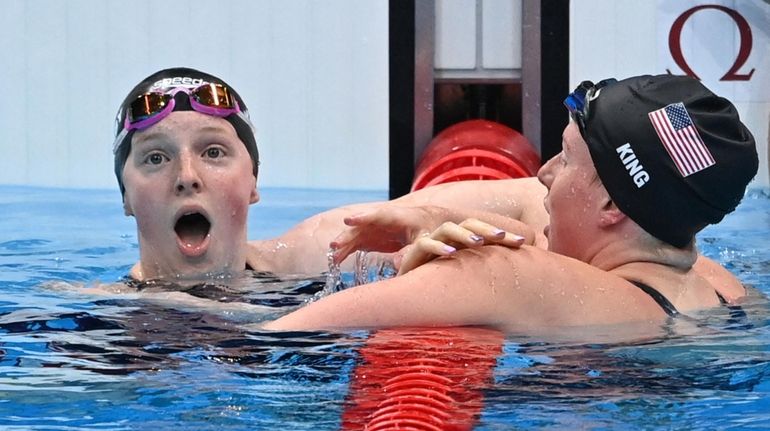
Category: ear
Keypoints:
(610, 214)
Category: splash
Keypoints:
(371, 267)
(368, 268)
(334, 281)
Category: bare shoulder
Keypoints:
(722, 280)
(555, 290)
(287, 255)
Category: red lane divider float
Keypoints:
(476, 150)
(422, 379)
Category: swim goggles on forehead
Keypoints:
(578, 101)
(149, 108)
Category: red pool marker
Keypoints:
(476, 150)
(421, 379)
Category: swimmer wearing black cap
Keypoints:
(186, 161)
(646, 163)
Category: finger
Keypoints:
(353, 239)
(511, 240)
(427, 245)
(344, 238)
(340, 254)
(358, 219)
(343, 245)
(382, 216)
(450, 232)
(482, 228)
(422, 251)
(493, 234)
(398, 256)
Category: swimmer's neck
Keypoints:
(621, 253)
(142, 272)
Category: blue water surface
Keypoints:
(70, 360)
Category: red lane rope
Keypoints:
(475, 150)
(421, 379)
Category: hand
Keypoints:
(387, 229)
(445, 240)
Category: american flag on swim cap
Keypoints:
(681, 139)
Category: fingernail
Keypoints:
(517, 237)
(449, 249)
(498, 232)
(476, 238)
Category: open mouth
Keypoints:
(192, 230)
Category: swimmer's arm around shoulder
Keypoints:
(525, 290)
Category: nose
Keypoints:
(187, 180)
(545, 173)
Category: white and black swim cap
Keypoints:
(165, 80)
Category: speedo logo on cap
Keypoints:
(178, 81)
(635, 169)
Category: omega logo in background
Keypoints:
(675, 43)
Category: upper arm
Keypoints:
(512, 198)
(527, 290)
(302, 249)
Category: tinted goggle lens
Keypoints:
(147, 105)
(214, 95)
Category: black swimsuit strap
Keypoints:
(664, 303)
(722, 299)
(737, 313)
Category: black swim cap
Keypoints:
(672, 155)
(165, 80)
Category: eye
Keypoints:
(214, 153)
(155, 159)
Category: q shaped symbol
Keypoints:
(675, 42)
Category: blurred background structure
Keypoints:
(347, 94)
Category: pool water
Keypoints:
(70, 360)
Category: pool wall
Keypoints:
(610, 38)
(315, 75)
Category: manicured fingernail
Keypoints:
(449, 249)
(476, 238)
(517, 237)
(498, 232)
